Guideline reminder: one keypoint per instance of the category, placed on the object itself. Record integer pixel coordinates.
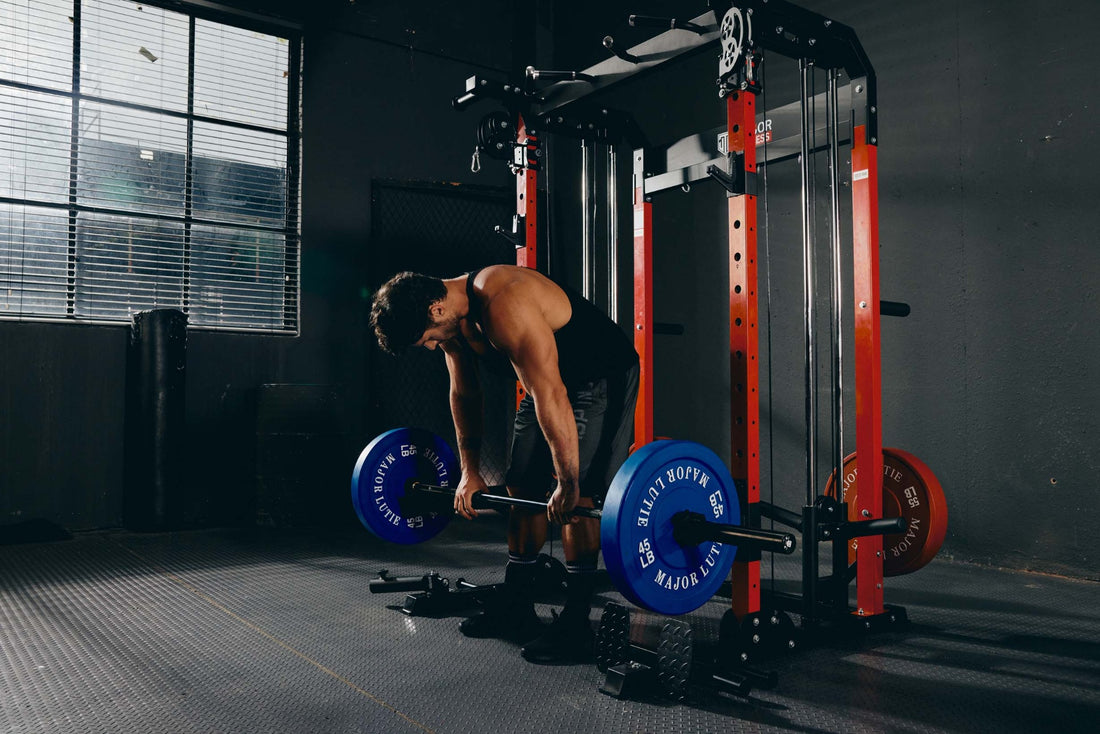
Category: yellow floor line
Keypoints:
(252, 626)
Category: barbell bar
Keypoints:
(688, 528)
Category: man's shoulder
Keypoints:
(509, 287)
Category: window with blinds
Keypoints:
(148, 159)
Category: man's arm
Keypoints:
(467, 413)
(519, 329)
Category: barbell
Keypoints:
(669, 527)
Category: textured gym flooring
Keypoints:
(275, 631)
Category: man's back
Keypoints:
(589, 344)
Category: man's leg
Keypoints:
(581, 541)
(613, 427)
(526, 536)
(530, 467)
(570, 637)
(511, 615)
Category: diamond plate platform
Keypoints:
(275, 631)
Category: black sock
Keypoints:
(519, 577)
(580, 588)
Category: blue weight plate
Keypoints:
(644, 561)
(382, 473)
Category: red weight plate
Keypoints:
(909, 490)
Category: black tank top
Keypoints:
(590, 345)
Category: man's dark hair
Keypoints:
(399, 312)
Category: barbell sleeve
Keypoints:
(691, 528)
(879, 526)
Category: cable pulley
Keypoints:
(496, 135)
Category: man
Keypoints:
(572, 429)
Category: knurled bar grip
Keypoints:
(483, 500)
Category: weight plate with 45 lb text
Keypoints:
(643, 559)
(382, 474)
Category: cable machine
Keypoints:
(854, 523)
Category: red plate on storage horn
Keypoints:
(909, 490)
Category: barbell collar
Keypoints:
(691, 528)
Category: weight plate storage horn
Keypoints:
(382, 474)
(643, 559)
(909, 490)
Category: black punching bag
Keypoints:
(155, 370)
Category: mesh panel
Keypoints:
(440, 230)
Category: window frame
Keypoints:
(291, 224)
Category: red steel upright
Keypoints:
(527, 178)
(869, 596)
(643, 304)
(744, 339)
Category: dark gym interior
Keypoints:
(243, 605)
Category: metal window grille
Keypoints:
(148, 159)
(442, 230)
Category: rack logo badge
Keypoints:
(763, 135)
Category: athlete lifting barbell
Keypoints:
(572, 430)
(571, 435)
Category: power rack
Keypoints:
(845, 114)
